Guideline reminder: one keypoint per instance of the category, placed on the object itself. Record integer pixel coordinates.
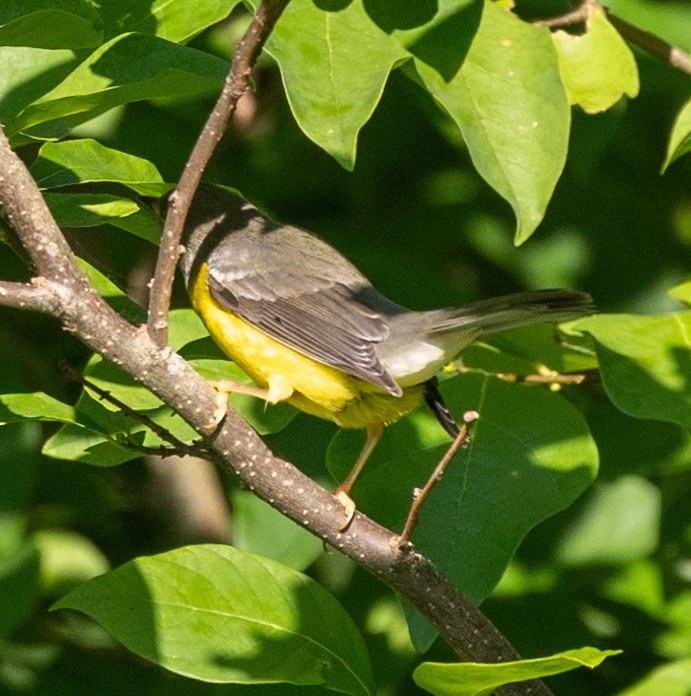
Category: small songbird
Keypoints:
(311, 330)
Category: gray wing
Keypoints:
(318, 316)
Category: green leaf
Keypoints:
(334, 66)
(598, 68)
(530, 456)
(175, 20)
(50, 24)
(27, 74)
(507, 98)
(476, 679)
(88, 209)
(672, 679)
(620, 523)
(644, 362)
(218, 614)
(80, 444)
(682, 292)
(81, 161)
(261, 529)
(37, 406)
(680, 138)
(129, 68)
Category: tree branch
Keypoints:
(244, 57)
(35, 295)
(654, 45)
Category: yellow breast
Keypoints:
(288, 375)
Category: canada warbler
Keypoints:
(311, 330)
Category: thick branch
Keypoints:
(244, 58)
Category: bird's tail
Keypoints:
(512, 311)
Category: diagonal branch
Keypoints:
(244, 58)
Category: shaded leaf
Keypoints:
(476, 679)
(130, 67)
(219, 614)
(50, 24)
(645, 362)
(81, 161)
(508, 100)
(175, 20)
(597, 67)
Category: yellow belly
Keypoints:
(317, 389)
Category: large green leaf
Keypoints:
(334, 66)
(175, 20)
(81, 161)
(219, 614)
(503, 90)
(530, 456)
(597, 67)
(50, 24)
(645, 363)
(130, 67)
(475, 679)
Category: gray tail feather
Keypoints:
(511, 311)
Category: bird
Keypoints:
(311, 330)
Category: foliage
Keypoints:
(446, 104)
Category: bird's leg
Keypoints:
(278, 391)
(342, 493)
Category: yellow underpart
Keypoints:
(290, 376)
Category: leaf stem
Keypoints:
(236, 83)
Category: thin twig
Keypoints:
(461, 440)
(179, 447)
(237, 81)
(542, 377)
(681, 60)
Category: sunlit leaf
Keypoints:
(81, 161)
(597, 67)
(222, 615)
(680, 137)
(475, 679)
